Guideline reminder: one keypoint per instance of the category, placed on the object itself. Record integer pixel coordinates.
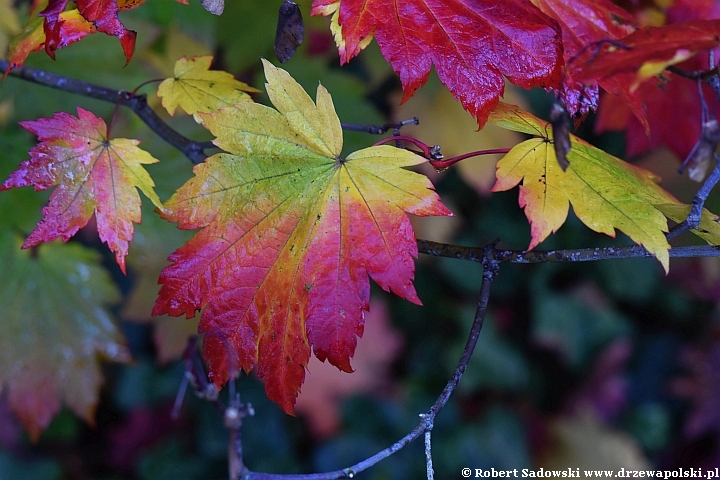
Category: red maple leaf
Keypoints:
(584, 23)
(651, 129)
(473, 44)
(671, 95)
(92, 174)
(103, 14)
(652, 45)
(72, 26)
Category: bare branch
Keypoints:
(380, 129)
(475, 254)
(428, 455)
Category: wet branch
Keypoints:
(195, 151)
(476, 254)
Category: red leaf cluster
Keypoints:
(102, 13)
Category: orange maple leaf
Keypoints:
(94, 175)
(290, 233)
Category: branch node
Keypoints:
(427, 420)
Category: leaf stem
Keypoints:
(427, 151)
(443, 164)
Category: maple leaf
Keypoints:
(606, 193)
(73, 27)
(472, 44)
(651, 49)
(195, 88)
(290, 233)
(583, 23)
(93, 175)
(103, 14)
(55, 327)
(672, 94)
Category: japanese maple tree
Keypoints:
(289, 227)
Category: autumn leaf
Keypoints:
(472, 45)
(582, 24)
(290, 233)
(195, 88)
(672, 94)
(73, 27)
(93, 175)
(651, 49)
(54, 331)
(103, 14)
(606, 193)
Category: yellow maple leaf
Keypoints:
(195, 88)
(605, 192)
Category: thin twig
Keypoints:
(490, 271)
(380, 129)
(193, 150)
(233, 416)
(596, 46)
(703, 75)
(428, 455)
(441, 164)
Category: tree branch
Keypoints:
(193, 150)
(475, 254)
